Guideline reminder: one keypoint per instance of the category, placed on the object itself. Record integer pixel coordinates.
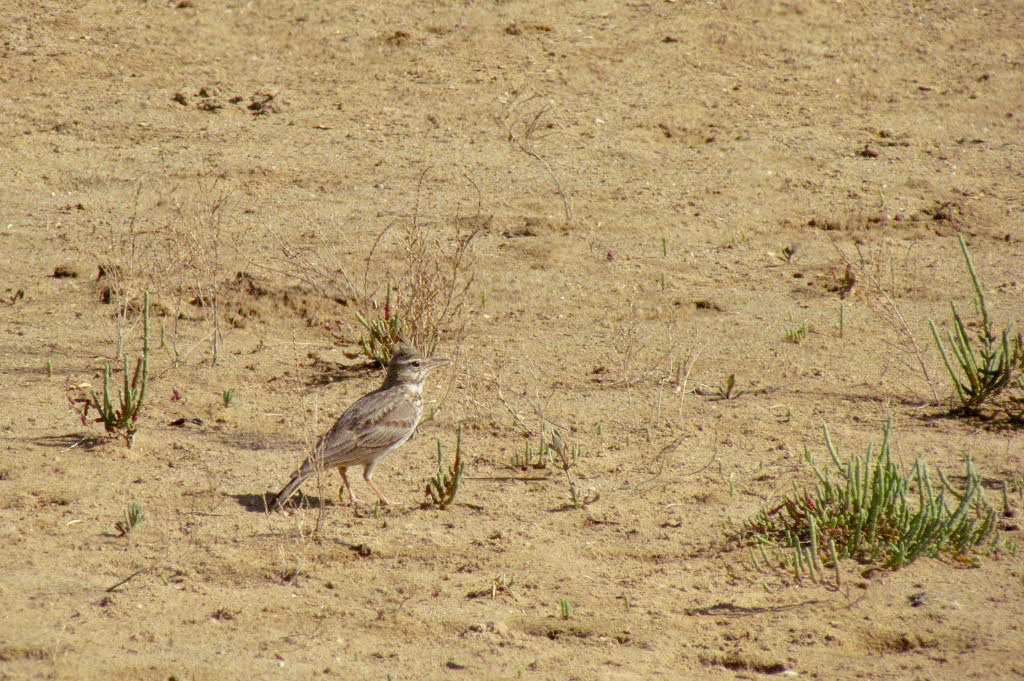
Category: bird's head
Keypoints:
(409, 367)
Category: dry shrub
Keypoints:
(882, 276)
(415, 278)
(524, 116)
(423, 277)
(175, 244)
(196, 243)
(315, 264)
(128, 264)
(431, 291)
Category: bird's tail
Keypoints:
(301, 476)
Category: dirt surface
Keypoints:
(672, 186)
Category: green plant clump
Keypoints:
(990, 362)
(798, 334)
(876, 514)
(530, 458)
(133, 515)
(382, 334)
(443, 487)
(123, 418)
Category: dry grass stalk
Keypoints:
(878, 273)
(314, 443)
(129, 264)
(309, 426)
(200, 236)
(314, 264)
(428, 280)
(524, 118)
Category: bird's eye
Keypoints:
(415, 363)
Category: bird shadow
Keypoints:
(327, 372)
(71, 441)
(263, 503)
(733, 610)
(254, 503)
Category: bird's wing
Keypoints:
(377, 422)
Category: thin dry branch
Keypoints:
(522, 129)
(314, 265)
(432, 280)
(888, 295)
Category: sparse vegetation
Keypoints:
(174, 245)
(798, 334)
(133, 515)
(382, 334)
(714, 151)
(200, 240)
(531, 458)
(127, 262)
(121, 419)
(1015, 485)
(523, 116)
(442, 488)
(499, 583)
(988, 364)
(425, 284)
(728, 389)
(638, 355)
(315, 264)
(881, 274)
(868, 514)
(564, 458)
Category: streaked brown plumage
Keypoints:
(376, 425)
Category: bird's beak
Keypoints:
(435, 362)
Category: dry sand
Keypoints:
(693, 142)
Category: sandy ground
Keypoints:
(697, 176)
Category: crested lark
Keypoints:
(376, 425)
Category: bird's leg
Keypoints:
(368, 475)
(348, 487)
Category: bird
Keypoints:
(374, 426)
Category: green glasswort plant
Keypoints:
(530, 458)
(565, 457)
(798, 334)
(122, 419)
(869, 514)
(987, 363)
(133, 515)
(443, 487)
(382, 334)
(726, 391)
